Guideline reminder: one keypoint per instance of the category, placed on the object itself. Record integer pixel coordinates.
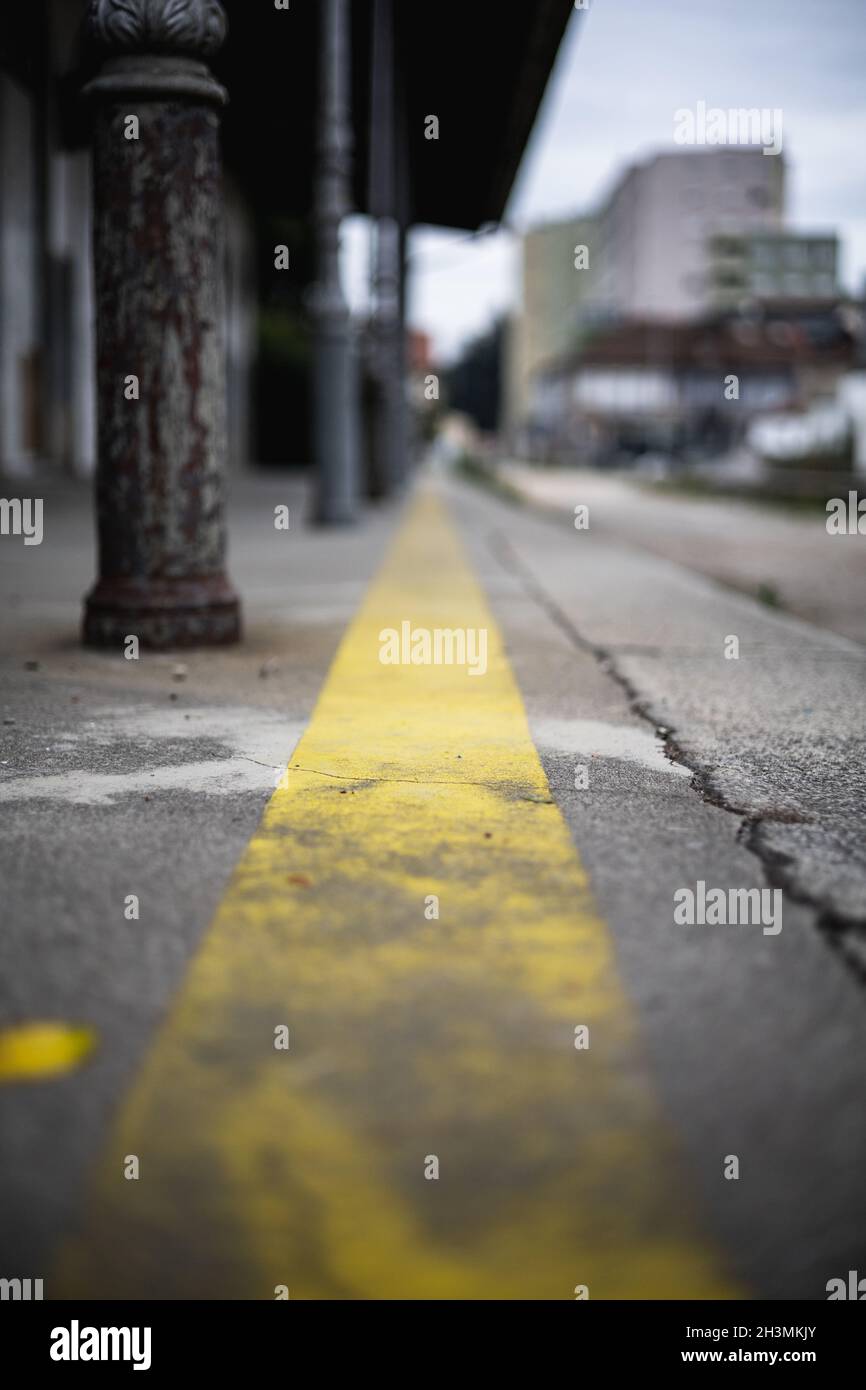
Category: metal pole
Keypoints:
(405, 423)
(335, 376)
(159, 326)
(386, 357)
(386, 464)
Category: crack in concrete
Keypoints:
(420, 782)
(846, 935)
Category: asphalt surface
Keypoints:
(777, 735)
(117, 778)
(124, 777)
(756, 1041)
(780, 554)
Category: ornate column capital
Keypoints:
(155, 48)
(195, 28)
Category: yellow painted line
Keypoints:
(409, 1038)
(38, 1051)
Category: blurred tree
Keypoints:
(474, 383)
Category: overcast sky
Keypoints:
(624, 68)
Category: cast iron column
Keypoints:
(386, 462)
(335, 383)
(161, 379)
(406, 418)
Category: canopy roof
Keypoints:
(480, 66)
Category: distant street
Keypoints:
(780, 555)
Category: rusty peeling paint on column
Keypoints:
(158, 269)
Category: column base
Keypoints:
(202, 612)
(330, 516)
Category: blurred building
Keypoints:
(556, 287)
(655, 230)
(423, 383)
(771, 265)
(692, 276)
(661, 247)
(423, 379)
(47, 367)
(689, 389)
